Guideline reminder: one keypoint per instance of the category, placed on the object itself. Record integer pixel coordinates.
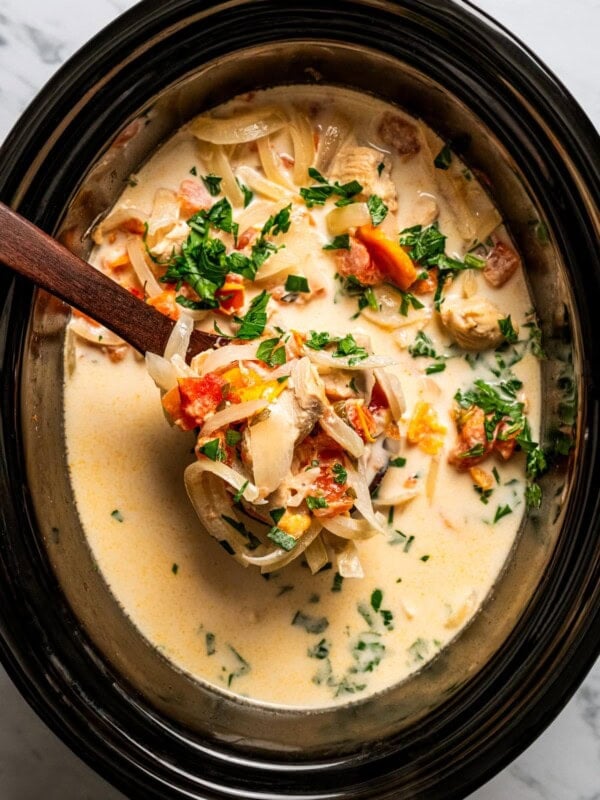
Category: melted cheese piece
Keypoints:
(292, 640)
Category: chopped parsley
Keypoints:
(503, 511)
(377, 209)
(209, 641)
(341, 242)
(213, 450)
(320, 650)
(175, 569)
(340, 475)
(507, 330)
(380, 168)
(212, 183)
(240, 492)
(338, 580)
(376, 598)
(116, 515)
(232, 437)
(296, 283)
(276, 514)
(397, 462)
(316, 502)
(347, 346)
(193, 171)
(282, 538)
(248, 193)
(318, 194)
(365, 295)
(422, 347)
(409, 299)
(309, 623)
(252, 324)
(443, 158)
(271, 352)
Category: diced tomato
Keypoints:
(426, 285)
(361, 419)
(245, 238)
(137, 292)
(378, 399)
(358, 263)
(193, 197)
(165, 303)
(322, 452)
(133, 225)
(471, 435)
(172, 405)
(201, 396)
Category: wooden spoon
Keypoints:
(32, 253)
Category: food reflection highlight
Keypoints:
(365, 435)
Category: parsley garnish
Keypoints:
(116, 514)
(270, 353)
(309, 623)
(213, 450)
(443, 158)
(248, 193)
(276, 514)
(193, 171)
(507, 330)
(213, 184)
(422, 347)
(319, 194)
(340, 475)
(377, 209)
(320, 650)
(341, 242)
(439, 366)
(380, 168)
(337, 583)
(232, 437)
(502, 511)
(209, 641)
(296, 283)
(316, 502)
(346, 346)
(397, 462)
(282, 538)
(409, 299)
(364, 294)
(254, 321)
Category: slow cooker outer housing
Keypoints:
(485, 723)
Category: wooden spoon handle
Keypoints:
(32, 253)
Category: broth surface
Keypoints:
(292, 638)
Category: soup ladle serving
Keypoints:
(30, 252)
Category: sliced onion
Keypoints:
(165, 214)
(162, 372)
(395, 498)
(233, 413)
(255, 215)
(271, 163)
(392, 389)
(362, 503)
(431, 480)
(304, 147)
(183, 370)
(348, 562)
(222, 167)
(94, 332)
(316, 555)
(179, 339)
(241, 128)
(323, 359)
(194, 472)
(348, 527)
(260, 184)
(340, 220)
(342, 433)
(137, 255)
(272, 445)
(301, 483)
(115, 219)
(213, 360)
(280, 558)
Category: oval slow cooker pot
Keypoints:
(150, 729)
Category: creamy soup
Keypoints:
(359, 457)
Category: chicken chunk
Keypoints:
(473, 322)
(357, 262)
(502, 263)
(399, 133)
(362, 164)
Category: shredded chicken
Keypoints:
(362, 164)
(473, 322)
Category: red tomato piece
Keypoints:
(201, 396)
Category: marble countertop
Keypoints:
(36, 37)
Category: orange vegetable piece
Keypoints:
(388, 255)
(482, 478)
(165, 303)
(231, 295)
(171, 403)
(118, 263)
(424, 429)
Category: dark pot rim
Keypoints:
(549, 653)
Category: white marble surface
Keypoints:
(36, 36)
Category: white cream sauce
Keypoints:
(228, 626)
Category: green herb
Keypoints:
(282, 538)
(337, 583)
(253, 541)
(425, 558)
(419, 649)
(242, 668)
(496, 475)
(175, 569)
(507, 330)
(541, 231)
(316, 502)
(296, 283)
(309, 623)
(376, 598)
(318, 341)
(348, 347)
(340, 475)
(319, 194)
(443, 158)
(422, 346)
(240, 492)
(271, 353)
(474, 452)
(213, 184)
(502, 511)
(252, 324)
(380, 168)
(474, 262)
(193, 171)
(439, 366)
(364, 294)
(209, 641)
(484, 494)
(285, 589)
(390, 516)
(533, 495)
(213, 450)
(320, 650)
(248, 194)
(232, 437)
(535, 338)
(377, 209)
(116, 514)
(409, 299)
(341, 242)
(132, 182)
(400, 461)
(276, 514)
(367, 652)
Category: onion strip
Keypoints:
(179, 339)
(348, 562)
(137, 256)
(233, 413)
(348, 528)
(271, 163)
(316, 555)
(242, 128)
(274, 191)
(212, 360)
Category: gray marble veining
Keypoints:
(36, 36)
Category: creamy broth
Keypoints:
(292, 638)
